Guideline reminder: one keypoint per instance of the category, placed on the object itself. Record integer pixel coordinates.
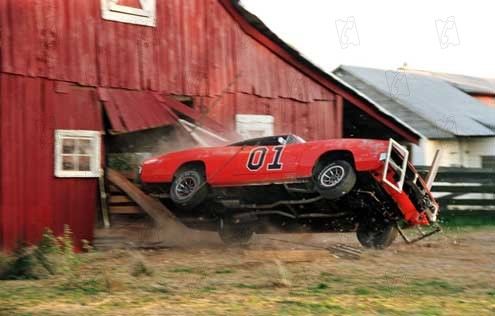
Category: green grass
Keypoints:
(358, 296)
(183, 270)
(318, 287)
(224, 271)
(90, 286)
(289, 307)
(362, 291)
(381, 283)
(454, 219)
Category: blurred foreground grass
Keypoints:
(434, 278)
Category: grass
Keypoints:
(140, 268)
(183, 270)
(461, 219)
(224, 271)
(355, 295)
(430, 281)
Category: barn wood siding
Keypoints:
(197, 49)
(31, 197)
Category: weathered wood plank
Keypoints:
(126, 209)
(119, 199)
(466, 175)
(156, 210)
(470, 202)
(464, 189)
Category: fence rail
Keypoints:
(464, 189)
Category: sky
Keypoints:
(436, 35)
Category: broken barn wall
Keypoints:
(125, 152)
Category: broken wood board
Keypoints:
(156, 210)
(173, 231)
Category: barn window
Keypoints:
(253, 125)
(77, 153)
(141, 12)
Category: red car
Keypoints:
(282, 183)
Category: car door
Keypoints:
(262, 164)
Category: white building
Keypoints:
(446, 117)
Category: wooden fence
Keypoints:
(463, 192)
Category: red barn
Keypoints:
(82, 79)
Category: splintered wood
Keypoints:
(156, 210)
(337, 250)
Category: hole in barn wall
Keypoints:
(184, 99)
(188, 101)
(358, 124)
(124, 153)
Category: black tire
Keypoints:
(235, 234)
(379, 237)
(335, 179)
(189, 188)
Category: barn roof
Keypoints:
(468, 84)
(254, 27)
(430, 105)
(155, 110)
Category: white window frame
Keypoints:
(255, 123)
(111, 10)
(95, 160)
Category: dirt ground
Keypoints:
(452, 273)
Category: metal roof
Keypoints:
(130, 111)
(469, 84)
(429, 105)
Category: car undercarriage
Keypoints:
(291, 207)
(340, 195)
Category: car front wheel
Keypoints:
(335, 179)
(189, 188)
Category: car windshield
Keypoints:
(271, 141)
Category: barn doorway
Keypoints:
(358, 124)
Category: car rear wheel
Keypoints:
(335, 179)
(189, 188)
(378, 237)
(235, 234)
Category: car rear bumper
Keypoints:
(407, 188)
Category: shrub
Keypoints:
(51, 255)
(21, 265)
(4, 263)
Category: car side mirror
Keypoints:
(282, 141)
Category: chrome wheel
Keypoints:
(331, 176)
(186, 186)
(189, 188)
